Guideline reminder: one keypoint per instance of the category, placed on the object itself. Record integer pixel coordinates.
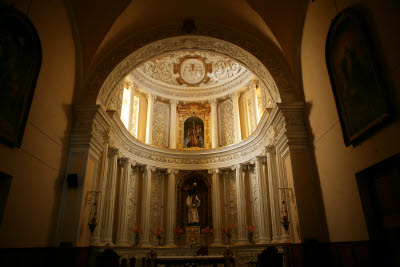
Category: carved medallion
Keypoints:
(192, 70)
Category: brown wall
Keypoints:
(38, 166)
(336, 163)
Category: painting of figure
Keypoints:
(193, 132)
(20, 61)
(356, 85)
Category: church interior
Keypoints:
(210, 133)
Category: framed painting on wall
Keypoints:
(20, 61)
(356, 83)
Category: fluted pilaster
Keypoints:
(263, 220)
(122, 230)
(95, 237)
(273, 194)
(242, 238)
(216, 207)
(171, 207)
(146, 206)
(109, 201)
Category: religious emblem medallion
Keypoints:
(192, 70)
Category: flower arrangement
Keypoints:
(250, 231)
(158, 231)
(227, 229)
(179, 232)
(207, 231)
(136, 233)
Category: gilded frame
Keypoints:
(194, 109)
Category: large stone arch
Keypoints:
(262, 57)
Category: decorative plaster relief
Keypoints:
(163, 69)
(230, 193)
(194, 43)
(160, 124)
(255, 200)
(132, 202)
(156, 212)
(225, 115)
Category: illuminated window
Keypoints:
(135, 116)
(126, 101)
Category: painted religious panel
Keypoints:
(354, 74)
(193, 132)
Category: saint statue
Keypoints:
(194, 136)
(193, 202)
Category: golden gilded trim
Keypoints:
(194, 109)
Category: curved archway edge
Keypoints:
(262, 57)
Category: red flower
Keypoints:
(227, 229)
(178, 230)
(136, 230)
(251, 228)
(158, 230)
(207, 231)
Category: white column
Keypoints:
(171, 208)
(216, 207)
(254, 105)
(146, 207)
(108, 218)
(172, 125)
(149, 122)
(236, 117)
(264, 235)
(95, 237)
(122, 230)
(273, 194)
(242, 238)
(214, 123)
(133, 89)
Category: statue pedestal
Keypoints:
(192, 235)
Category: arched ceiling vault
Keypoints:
(98, 23)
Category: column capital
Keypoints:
(172, 171)
(237, 166)
(270, 150)
(253, 83)
(150, 97)
(106, 136)
(235, 95)
(211, 171)
(150, 168)
(113, 151)
(213, 101)
(128, 85)
(124, 161)
(173, 102)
